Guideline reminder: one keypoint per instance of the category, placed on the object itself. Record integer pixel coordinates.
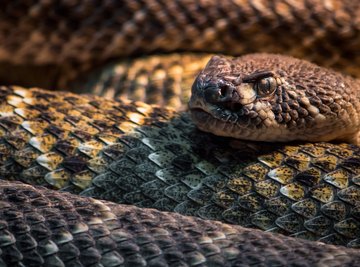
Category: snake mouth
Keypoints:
(206, 122)
(213, 113)
(220, 121)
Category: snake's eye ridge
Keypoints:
(265, 87)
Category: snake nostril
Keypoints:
(215, 94)
(224, 91)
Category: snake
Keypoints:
(91, 178)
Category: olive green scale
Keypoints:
(131, 152)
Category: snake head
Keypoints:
(265, 97)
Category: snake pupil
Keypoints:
(265, 87)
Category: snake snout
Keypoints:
(220, 94)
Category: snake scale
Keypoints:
(113, 151)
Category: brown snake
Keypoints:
(274, 98)
(130, 152)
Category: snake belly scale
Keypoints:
(114, 152)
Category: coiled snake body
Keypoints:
(153, 157)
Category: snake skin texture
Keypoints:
(133, 153)
(73, 36)
(151, 157)
(39, 227)
(164, 80)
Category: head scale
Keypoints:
(265, 97)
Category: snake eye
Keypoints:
(265, 87)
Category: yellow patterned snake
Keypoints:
(115, 151)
